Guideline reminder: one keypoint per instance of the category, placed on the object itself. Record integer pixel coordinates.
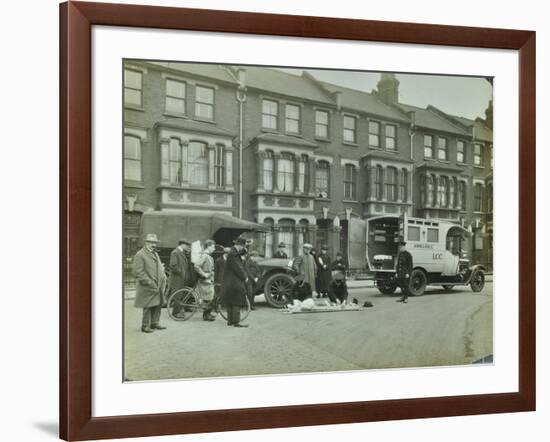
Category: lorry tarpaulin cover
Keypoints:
(194, 225)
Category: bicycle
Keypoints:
(185, 302)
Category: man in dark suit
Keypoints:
(403, 271)
(253, 272)
(182, 273)
(280, 253)
(234, 288)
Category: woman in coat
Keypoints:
(234, 288)
(324, 273)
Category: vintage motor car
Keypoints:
(276, 275)
(436, 248)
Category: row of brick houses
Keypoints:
(317, 158)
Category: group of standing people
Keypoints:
(231, 279)
(317, 272)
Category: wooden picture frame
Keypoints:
(76, 21)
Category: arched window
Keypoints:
(403, 185)
(350, 178)
(391, 184)
(322, 179)
(268, 171)
(197, 161)
(285, 173)
(286, 235)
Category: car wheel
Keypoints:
(418, 282)
(386, 287)
(448, 287)
(278, 290)
(478, 281)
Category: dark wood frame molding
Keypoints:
(76, 21)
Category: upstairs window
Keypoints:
(270, 113)
(403, 185)
(478, 198)
(322, 179)
(391, 184)
(132, 158)
(460, 149)
(379, 182)
(374, 133)
(350, 178)
(428, 146)
(133, 87)
(268, 171)
(391, 137)
(292, 118)
(174, 159)
(219, 166)
(321, 124)
(175, 96)
(204, 102)
(478, 157)
(197, 160)
(442, 148)
(285, 173)
(350, 129)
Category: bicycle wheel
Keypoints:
(182, 304)
(222, 310)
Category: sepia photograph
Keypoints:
(284, 220)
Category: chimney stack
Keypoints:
(388, 89)
(489, 114)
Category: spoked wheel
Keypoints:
(222, 310)
(418, 283)
(386, 286)
(278, 290)
(182, 304)
(478, 281)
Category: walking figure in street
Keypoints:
(151, 282)
(234, 290)
(205, 285)
(182, 272)
(403, 272)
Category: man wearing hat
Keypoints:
(324, 273)
(305, 265)
(151, 282)
(301, 289)
(403, 271)
(235, 278)
(338, 289)
(280, 253)
(219, 270)
(182, 273)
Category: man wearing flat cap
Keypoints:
(305, 265)
(338, 289)
(182, 272)
(280, 253)
(151, 282)
(235, 279)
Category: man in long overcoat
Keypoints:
(305, 265)
(234, 288)
(182, 273)
(151, 282)
(205, 285)
(253, 272)
(403, 272)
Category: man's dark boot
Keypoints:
(146, 330)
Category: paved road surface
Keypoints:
(438, 328)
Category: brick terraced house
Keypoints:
(317, 158)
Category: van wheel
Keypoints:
(448, 287)
(418, 282)
(386, 287)
(478, 281)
